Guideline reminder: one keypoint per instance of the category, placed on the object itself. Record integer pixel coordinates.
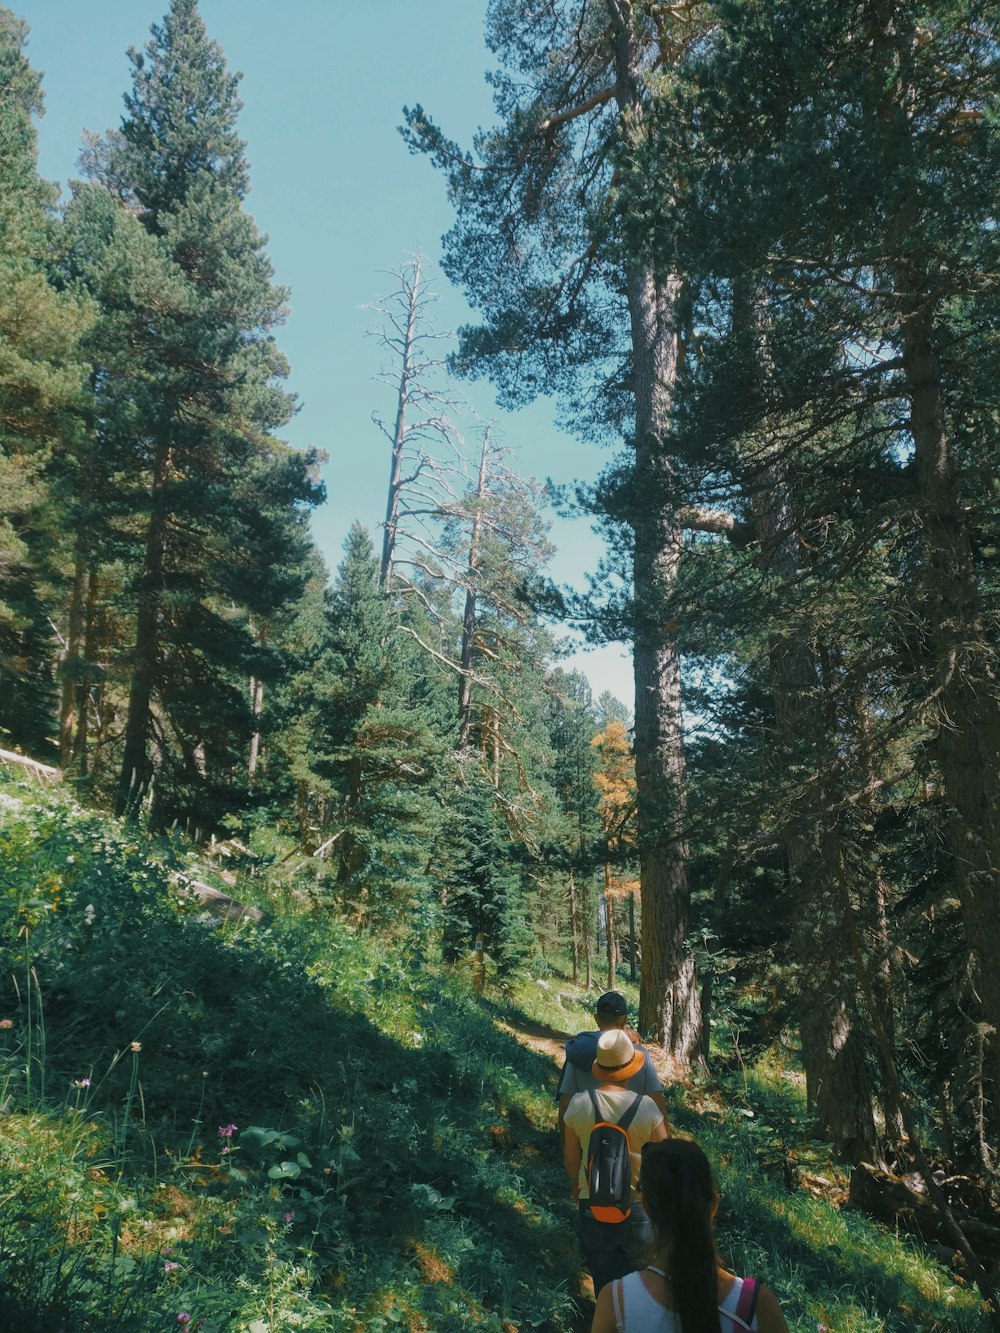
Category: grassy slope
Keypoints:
(394, 1163)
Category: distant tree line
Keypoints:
(169, 633)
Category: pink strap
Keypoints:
(746, 1304)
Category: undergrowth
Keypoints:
(287, 1125)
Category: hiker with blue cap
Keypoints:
(577, 1075)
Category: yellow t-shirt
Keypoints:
(613, 1103)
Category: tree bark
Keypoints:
(410, 292)
(136, 770)
(669, 1001)
(574, 917)
(964, 674)
(85, 688)
(834, 1053)
(609, 908)
(69, 692)
(469, 614)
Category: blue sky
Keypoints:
(342, 200)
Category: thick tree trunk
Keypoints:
(834, 1050)
(669, 1000)
(669, 1006)
(964, 676)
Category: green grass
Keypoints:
(394, 1165)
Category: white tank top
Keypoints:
(637, 1312)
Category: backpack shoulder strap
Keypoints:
(746, 1305)
(617, 1305)
(629, 1115)
(593, 1101)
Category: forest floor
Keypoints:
(257, 1125)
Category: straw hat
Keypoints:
(617, 1059)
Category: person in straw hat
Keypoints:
(610, 1249)
(611, 1011)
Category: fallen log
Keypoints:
(902, 1201)
(42, 772)
(228, 910)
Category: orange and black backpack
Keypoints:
(609, 1168)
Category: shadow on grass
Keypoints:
(442, 1150)
(811, 1253)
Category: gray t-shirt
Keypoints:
(576, 1080)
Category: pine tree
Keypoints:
(885, 113)
(204, 449)
(536, 249)
(42, 379)
(480, 882)
(368, 757)
(573, 828)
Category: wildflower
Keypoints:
(184, 1318)
(137, 1046)
(289, 1217)
(227, 1131)
(81, 1083)
(6, 1022)
(170, 1266)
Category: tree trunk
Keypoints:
(136, 770)
(411, 290)
(69, 692)
(669, 1003)
(964, 674)
(834, 1051)
(631, 935)
(85, 687)
(469, 616)
(609, 908)
(256, 709)
(574, 917)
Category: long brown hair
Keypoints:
(680, 1196)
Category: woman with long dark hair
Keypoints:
(684, 1289)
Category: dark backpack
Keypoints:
(609, 1168)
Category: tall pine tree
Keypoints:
(216, 487)
(42, 380)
